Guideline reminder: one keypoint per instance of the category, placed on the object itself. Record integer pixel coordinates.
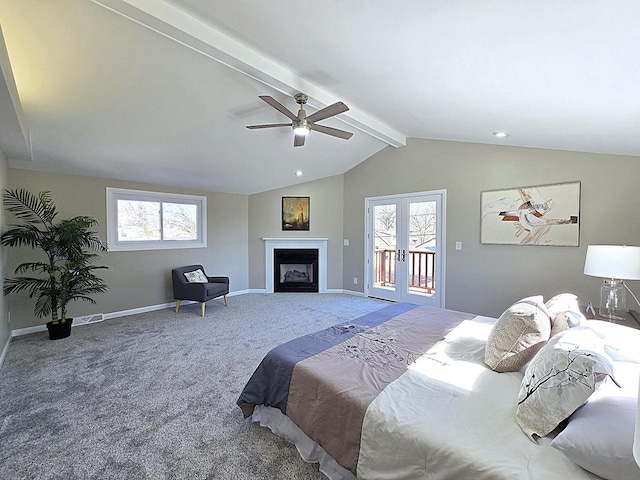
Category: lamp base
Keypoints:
(613, 300)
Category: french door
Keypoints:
(405, 247)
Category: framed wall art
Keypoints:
(295, 213)
(537, 215)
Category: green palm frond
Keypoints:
(43, 306)
(29, 207)
(33, 286)
(32, 267)
(27, 235)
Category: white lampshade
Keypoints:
(613, 261)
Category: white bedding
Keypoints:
(451, 417)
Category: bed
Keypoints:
(404, 393)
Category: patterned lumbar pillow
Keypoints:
(517, 335)
(197, 276)
(561, 378)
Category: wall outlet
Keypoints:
(355, 280)
(346, 242)
(458, 245)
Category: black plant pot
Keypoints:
(59, 330)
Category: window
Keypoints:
(138, 220)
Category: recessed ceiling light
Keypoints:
(299, 173)
(501, 134)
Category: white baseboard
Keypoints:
(28, 330)
(5, 350)
(161, 306)
(353, 292)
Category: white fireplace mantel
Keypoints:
(270, 244)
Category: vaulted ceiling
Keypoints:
(160, 91)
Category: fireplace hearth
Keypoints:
(295, 270)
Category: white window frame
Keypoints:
(115, 194)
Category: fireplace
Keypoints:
(295, 270)
(273, 244)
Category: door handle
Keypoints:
(403, 254)
(398, 256)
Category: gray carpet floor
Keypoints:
(152, 396)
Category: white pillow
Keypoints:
(560, 378)
(197, 276)
(599, 435)
(517, 335)
(565, 320)
(564, 312)
(561, 302)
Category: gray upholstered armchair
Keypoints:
(198, 291)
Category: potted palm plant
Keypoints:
(70, 247)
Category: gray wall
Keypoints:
(482, 279)
(485, 279)
(5, 327)
(142, 278)
(325, 213)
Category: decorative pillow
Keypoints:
(517, 335)
(561, 302)
(599, 435)
(564, 312)
(560, 379)
(197, 276)
(566, 320)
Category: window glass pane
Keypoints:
(179, 221)
(385, 246)
(138, 220)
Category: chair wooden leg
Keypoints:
(226, 303)
(202, 309)
(177, 305)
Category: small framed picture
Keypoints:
(295, 213)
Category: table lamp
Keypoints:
(614, 264)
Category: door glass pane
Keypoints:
(384, 272)
(422, 248)
(179, 221)
(138, 220)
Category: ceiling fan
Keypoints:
(302, 125)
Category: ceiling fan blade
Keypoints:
(269, 125)
(331, 131)
(298, 140)
(278, 106)
(327, 112)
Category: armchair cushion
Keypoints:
(197, 276)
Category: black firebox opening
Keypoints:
(295, 270)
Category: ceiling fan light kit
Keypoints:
(302, 129)
(303, 124)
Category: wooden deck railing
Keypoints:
(422, 269)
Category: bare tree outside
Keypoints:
(138, 220)
(422, 224)
(385, 230)
(179, 221)
(386, 218)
